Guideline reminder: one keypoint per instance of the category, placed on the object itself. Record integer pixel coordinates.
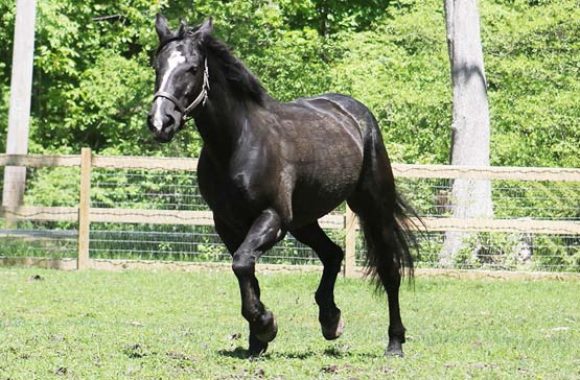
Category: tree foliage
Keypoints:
(93, 81)
(93, 84)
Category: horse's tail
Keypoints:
(388, 221)
(406, 221)
(390, 245)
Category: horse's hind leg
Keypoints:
(381, 246)
(375, 202)
(331, 256)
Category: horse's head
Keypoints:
(182, 80)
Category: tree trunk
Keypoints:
(470, 128)
(323, 14)
(20, 93)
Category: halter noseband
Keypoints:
(200, 99)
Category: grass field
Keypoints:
(168, 325)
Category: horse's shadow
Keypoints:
(242, 353)
(237, 353)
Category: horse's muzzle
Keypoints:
(163, 137)
(162, 129)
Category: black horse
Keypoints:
(268, 168)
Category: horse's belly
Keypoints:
(320, 191)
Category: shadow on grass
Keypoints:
(236, 353)
(334, 352)
(341, 352)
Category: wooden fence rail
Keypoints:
(513, 173)
(84, 214)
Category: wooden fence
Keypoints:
(84, 214)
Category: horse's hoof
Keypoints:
(268, 332)
(257, 347)
(395, 348)
(335, 330)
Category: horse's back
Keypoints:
(339, 106)
(328, 131)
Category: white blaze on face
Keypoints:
(174, 60)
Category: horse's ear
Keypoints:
(205, 29)
(162, 27)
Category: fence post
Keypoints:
(349, 242)
(84, 210)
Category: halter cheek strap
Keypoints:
(200, 99)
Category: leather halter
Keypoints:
(200, 99)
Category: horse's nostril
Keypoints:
(169, 121)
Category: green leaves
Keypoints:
(93, 83)
(532, 72)
(401, 72)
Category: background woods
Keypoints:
(93, 82)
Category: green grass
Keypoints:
(169, 325)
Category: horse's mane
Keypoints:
(235, 72)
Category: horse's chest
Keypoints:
(227, 196)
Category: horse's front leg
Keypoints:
(264, 233)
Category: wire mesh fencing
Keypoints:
(24, 235)
(495, 251)
(430, 197)
(153, 213)
(511, 199)
(524, 202)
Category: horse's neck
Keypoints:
(225, 117)
(220, 124)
